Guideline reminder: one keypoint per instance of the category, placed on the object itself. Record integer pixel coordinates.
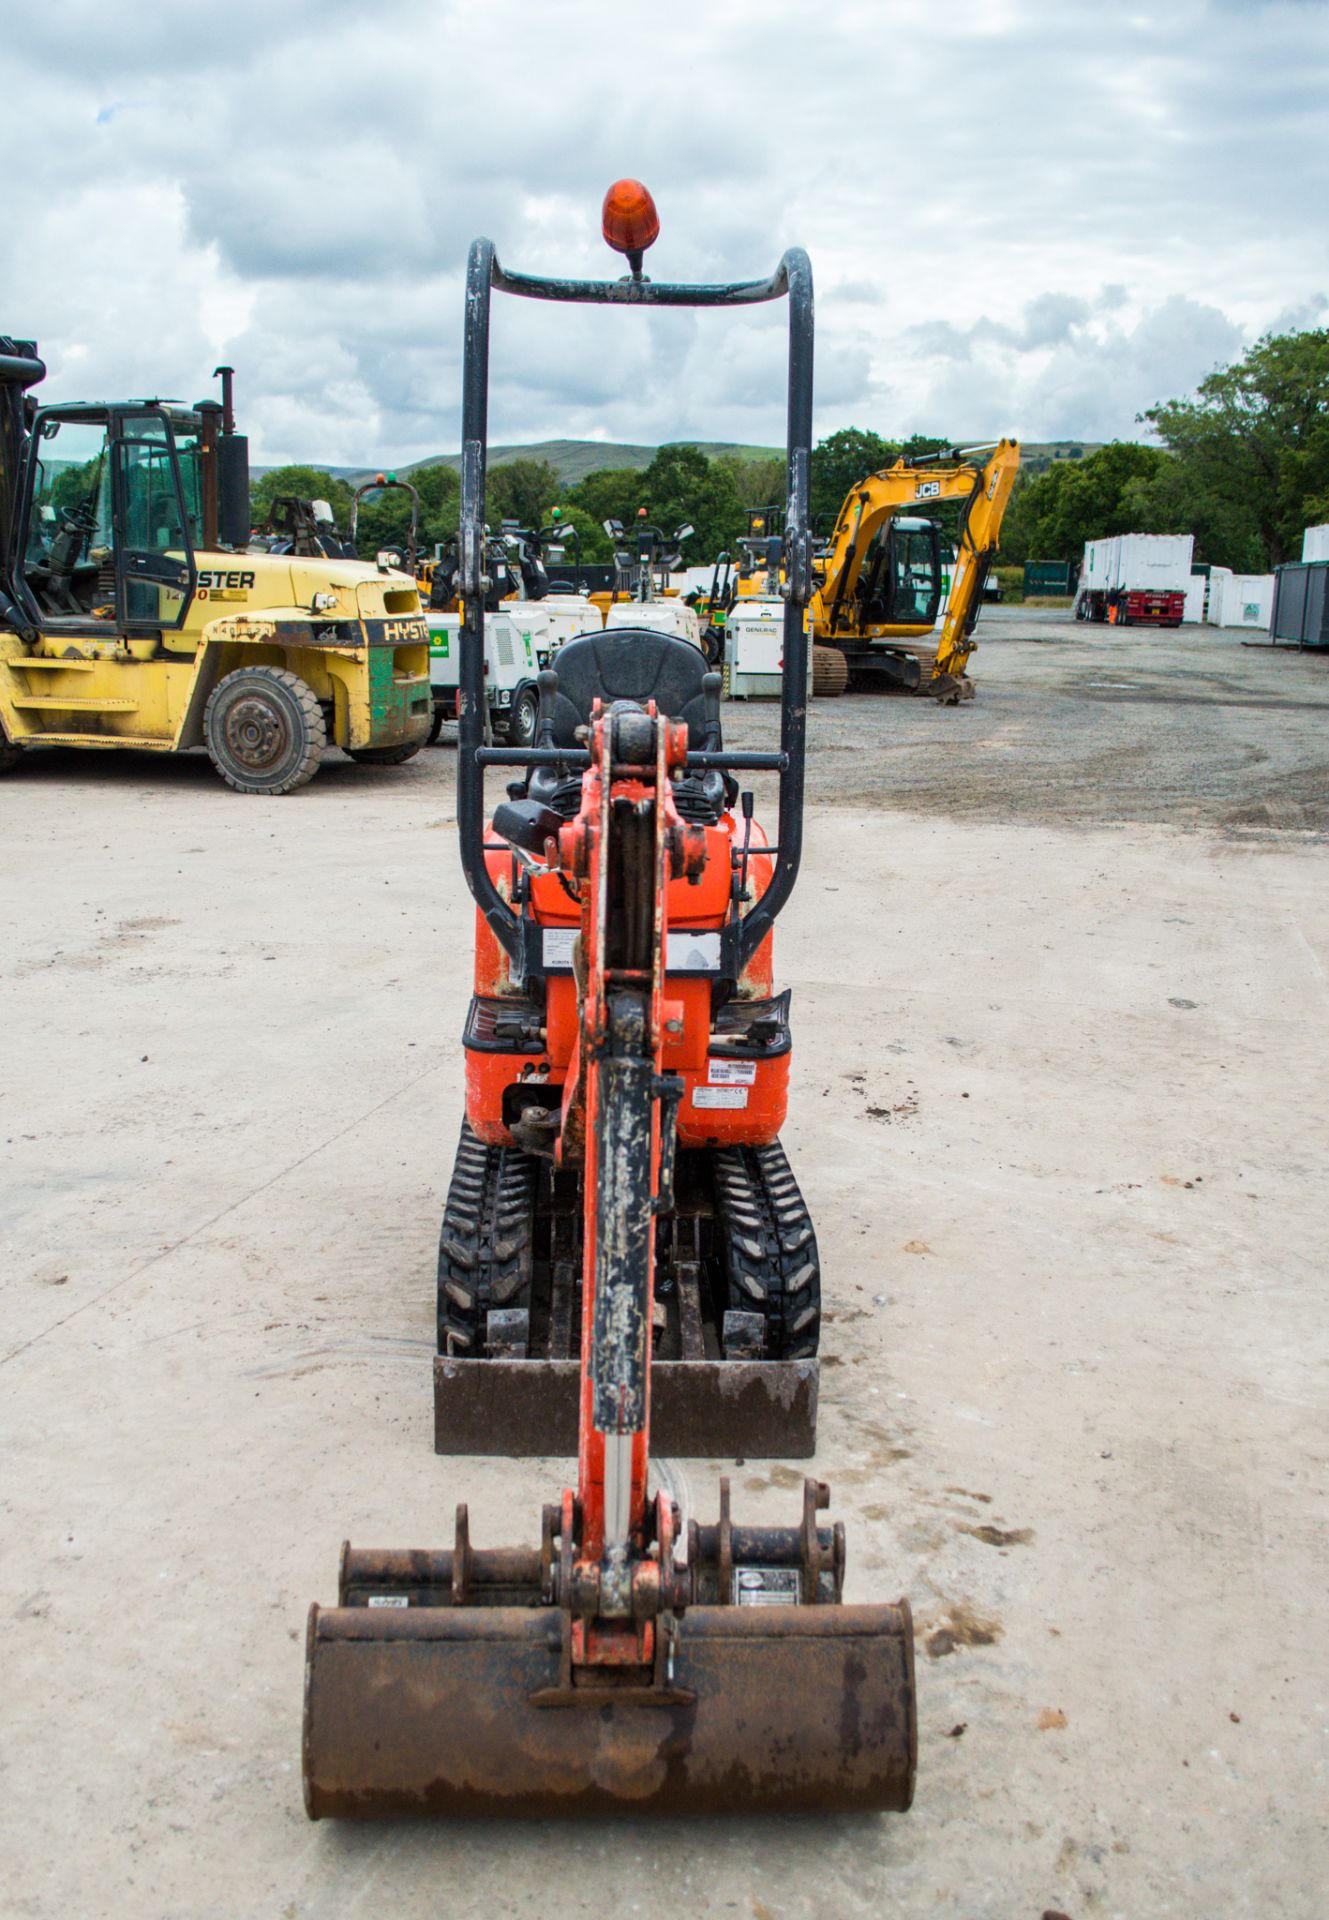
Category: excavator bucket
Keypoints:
(462, 1712)
(442, 1684)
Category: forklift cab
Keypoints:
(111, 514)
(901, 581)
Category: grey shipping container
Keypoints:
(1301, 603)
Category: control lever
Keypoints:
(547, 681)
(746, 801)
(711, 684)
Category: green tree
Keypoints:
(1173, 499)
(683, 485)
(1052, 515)
(384, 518)
(595, 547)
(758, 483)
(919, 444)
(610, 493)
(839, 462)
(521, 490)
(306, 483)
(1255, 440)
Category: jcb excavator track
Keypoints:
(485, 1246)
(768, 1247)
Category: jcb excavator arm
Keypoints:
(841, 610)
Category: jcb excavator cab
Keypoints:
(901, 580)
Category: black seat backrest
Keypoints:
(629, 663)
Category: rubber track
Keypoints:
(767, 1247)
(484, 1248)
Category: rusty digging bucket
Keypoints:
(429, 1695)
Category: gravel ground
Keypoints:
(1060, 1095)
(1073, 725)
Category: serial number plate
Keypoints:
(719, 1096)
(765, 1586)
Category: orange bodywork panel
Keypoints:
(741, 1101)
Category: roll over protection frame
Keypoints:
(792, 279)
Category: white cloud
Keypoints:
(1022, 218)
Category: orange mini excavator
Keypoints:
(626, 1662)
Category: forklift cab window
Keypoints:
(160, 516)
(67, 553)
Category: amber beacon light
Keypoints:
(629, 221)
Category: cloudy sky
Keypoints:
(1024, 216)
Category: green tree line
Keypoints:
(1243, 464)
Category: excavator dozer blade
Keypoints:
(462, 1712)
(704, 1409)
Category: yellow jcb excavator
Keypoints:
(881, 576)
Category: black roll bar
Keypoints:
(386, 486)
(484, 272)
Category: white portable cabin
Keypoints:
(1248, 600)
(1193, 612)
(1154, 562)
(1218, 580)
(1315, 543)
(1138, 563)
(1098, 571)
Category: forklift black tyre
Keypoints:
(712, 645)
(10, 754)
(264, 730)
(435, 727)
(524, 718)
(384, 756)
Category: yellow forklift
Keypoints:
(134, 613)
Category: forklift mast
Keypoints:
(20, 368)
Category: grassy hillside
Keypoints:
(574, 459)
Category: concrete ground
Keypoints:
(1060, 1102)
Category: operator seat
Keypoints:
(635, 664)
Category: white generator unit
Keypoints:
(754, 649)
(1196, 596)
(660, 616)
(510, 658)
(550, 623)
(1315, 543)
